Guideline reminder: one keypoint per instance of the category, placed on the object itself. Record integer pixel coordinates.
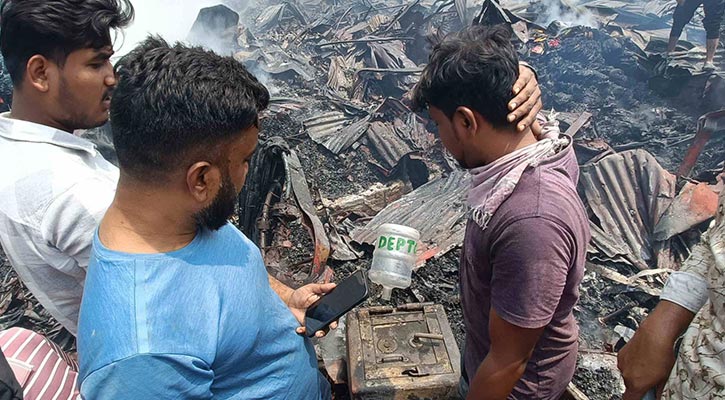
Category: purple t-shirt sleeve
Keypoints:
(530, 262)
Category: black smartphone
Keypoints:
(343, 298)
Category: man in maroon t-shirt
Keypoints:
(526, 240)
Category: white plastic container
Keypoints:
(394, 257)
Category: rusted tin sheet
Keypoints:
(304, 200)
(437, 210)
(695, 204)
(708, 125)
(403, 353)
(628, 193)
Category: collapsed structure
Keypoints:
(342, 153)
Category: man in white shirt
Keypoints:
(55, 187)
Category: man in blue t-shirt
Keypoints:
(177, 302)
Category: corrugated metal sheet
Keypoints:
(321, 127)
(462, 9)
(437, 210)
(413, 128)
(304, 200)
(269, 16)
(396, 132)
(631, 13)
(389, 55)
(336, 78)
(272, 15)
(334, 131)
(388, 146)
(628, 193)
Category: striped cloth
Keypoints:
(43, 370)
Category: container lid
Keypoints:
(401, 230)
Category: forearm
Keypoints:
(668, 321)
(283, 291)
(647, 359)
(495, 380)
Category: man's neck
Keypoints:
(145, 220)
(25, 109)
(506, 143)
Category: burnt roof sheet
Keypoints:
(437, 210)
(628, 193)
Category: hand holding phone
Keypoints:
(347, 295)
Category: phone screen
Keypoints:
(346, 295)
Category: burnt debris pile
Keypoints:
(6, 88)
(588, 70)
(342, 153)
(367, 159)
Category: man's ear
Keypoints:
(39, 72)
(465, 124)
(203, 181)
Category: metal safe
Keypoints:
(408, 352)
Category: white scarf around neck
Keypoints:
(493, 183)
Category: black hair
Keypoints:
(56, 28)
(174, 103)
(474, 68)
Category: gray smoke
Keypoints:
(170, 19)
(568, 12)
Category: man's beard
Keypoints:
(216, 214)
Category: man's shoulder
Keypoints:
(543, 193)
(37, 173)
(80, 156)
(229, 236)
(37, 178)
(537, 194)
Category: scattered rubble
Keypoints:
(6, 88)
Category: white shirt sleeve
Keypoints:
(688, 287)
(686, 290)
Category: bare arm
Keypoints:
(283, 291)
(299, 300)
(647, 360)
(511, 348)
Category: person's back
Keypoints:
(57, 191)
(55, 186)
(177, 302)
(206, 308)
(525, 244)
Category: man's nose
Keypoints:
(110, 80)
